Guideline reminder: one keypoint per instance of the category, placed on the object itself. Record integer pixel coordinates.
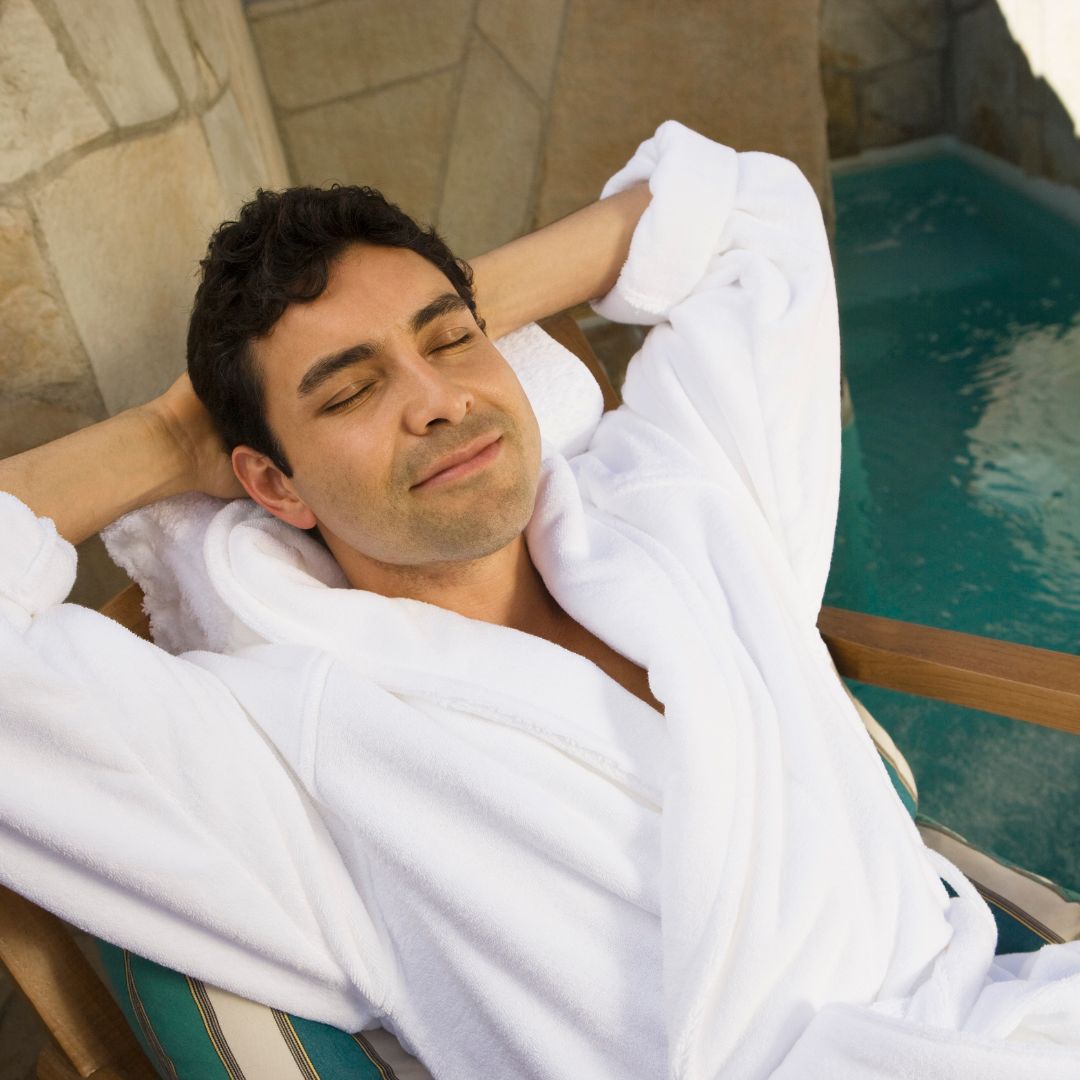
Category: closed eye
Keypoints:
(463, 340)
(350, 399)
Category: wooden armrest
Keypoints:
(66, 993)
(1036, 685)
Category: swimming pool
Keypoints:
(960, 501)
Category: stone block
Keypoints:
(842, 109)
(984, 58)
(394, 140)
(341, 48)
(205, 18)
(235, 155)
(38, 348)
(855, 36)
(903, 101)
(172, 33)
(493, 156)
(43, 109)
(924, 24)
(745, 74)
(115, 45)
(1060, 146)
(25, 423)
(125, 227)
(527, 35)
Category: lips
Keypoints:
(460, 462)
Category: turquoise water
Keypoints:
(960, 501)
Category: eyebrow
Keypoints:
(326, 366)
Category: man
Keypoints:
(546, 769)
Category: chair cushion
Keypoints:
(1029, 910)
(192, 1031)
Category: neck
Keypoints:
(503, 588)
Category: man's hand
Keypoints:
(88, 479)
(188, 424)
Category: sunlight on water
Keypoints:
(960, 487)
(1025, 453)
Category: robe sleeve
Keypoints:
(140, 802)
(730, 266)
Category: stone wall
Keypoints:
(1016, 72)
(1000, 74)
(128, 131)
(883, 70)
(492, 117)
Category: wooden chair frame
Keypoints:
(92, 1038)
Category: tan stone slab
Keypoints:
(206, 19)
(985, 60)
(493, 157)
(114, 44)
(747, 75)
(903, 102)
(249, 89)
(340, 48)
(392, 140)
(126, 226)
(235, 155)
(25, 423)
(855, 35)
(843, 113)
(526, 34)
(169, 25)
(37, 346)
(43, 109)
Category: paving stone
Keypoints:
(493, 157)
(125, 227)
(114, 44)
(340, 48)
(43, 109)
(527, 35)
(393, 140)
(168, 22)
(903, 101)
(235, 155)
(745, 74)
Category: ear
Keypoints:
(270, 487)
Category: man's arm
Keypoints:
(88, 479)
(575, 259)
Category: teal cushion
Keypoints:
(190, 1031)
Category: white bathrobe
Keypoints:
(373, 811)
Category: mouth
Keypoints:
(471, 458)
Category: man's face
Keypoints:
(410, 438)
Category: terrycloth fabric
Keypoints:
(514, 864)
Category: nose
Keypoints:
(432, 397)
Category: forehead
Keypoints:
(370, 294)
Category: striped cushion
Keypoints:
(1030, 910)
(903, 779)
(191, 1031)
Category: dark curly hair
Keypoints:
(280, 251)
